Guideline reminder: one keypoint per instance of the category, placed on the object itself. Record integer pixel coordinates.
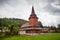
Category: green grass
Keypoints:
(50, 36)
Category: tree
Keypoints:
(59, 27)
(11, 28)
(40, 24)
(54, 28)
(1, 24)
(10, 25)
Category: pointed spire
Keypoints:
(33, 12)
(33, 15)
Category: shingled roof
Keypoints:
(27, 25)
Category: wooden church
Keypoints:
(32, 26)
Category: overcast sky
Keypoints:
(48, 11)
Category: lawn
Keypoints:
(50, 36)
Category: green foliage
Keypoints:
(59, 27)
(5, 22)
(10, 24)
(40, 24)
(15, 31)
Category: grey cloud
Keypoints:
(50, 1)
(32, 1)
(52, 10)
(58, 3)
(2, 2)
(38, 1)
(11, 2)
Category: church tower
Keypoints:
(33, 19)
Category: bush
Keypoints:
(7, 33)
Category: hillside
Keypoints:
(5, 22)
